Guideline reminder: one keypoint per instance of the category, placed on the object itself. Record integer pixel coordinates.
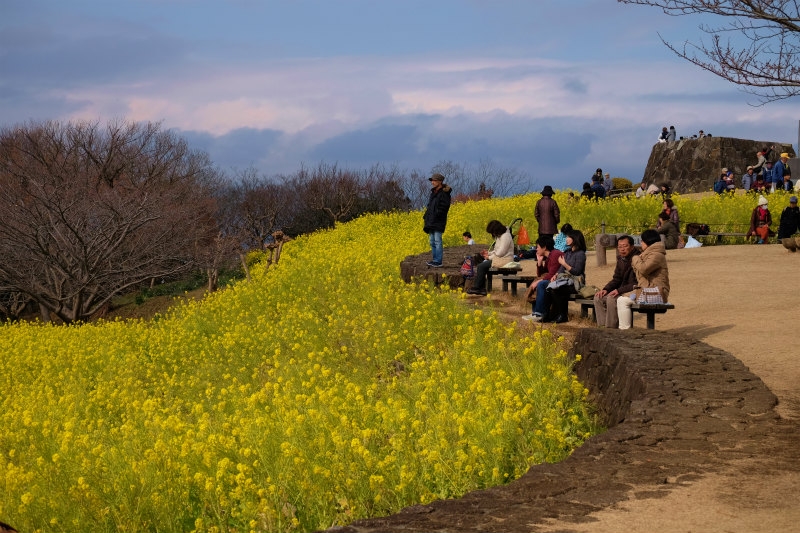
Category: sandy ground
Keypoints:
(741, 299)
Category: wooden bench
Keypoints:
(513, 281)
(651, 310)
(499, 272)
(716, 235)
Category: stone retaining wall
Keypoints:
(675, 407)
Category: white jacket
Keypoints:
(503, 250)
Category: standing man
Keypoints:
(672, 134)
(435, 217)
(778, 171)
(623, 280)
(547, 213)
(748, 178)
(608, 183)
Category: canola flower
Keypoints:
(323, 391)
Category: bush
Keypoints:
(622, 183)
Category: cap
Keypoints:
(784, 154)
(793, 200)
(436, 177)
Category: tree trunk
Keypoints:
(45, 312)
(213, 278)
(245, 267)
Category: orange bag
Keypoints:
(522, 236)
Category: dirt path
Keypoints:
(740, 299)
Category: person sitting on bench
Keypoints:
(573, 262)
(499, 254)
(547, 265)
(623, 281)
(651, 271)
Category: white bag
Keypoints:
(691, 242)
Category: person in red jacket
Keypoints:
(546, 267)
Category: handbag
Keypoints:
(467, 269)
(588, 291)
(649, 295)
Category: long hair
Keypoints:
(577, 239)
(495, 228)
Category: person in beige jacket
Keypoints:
(651, 271)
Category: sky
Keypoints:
(551, 89)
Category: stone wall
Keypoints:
(676, 408)
(693, 165)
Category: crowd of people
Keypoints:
(763, 177)
(561, 254)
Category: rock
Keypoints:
(790, 244)
(693, 165)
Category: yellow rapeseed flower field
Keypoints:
(323, 391)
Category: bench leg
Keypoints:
(651, 321)
(505, 285)
(488, 282)
(514, 289)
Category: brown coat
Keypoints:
(651, 268)
(547, 215)
(624, 279)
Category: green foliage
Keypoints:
(622, 183)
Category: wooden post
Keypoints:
(599, 250)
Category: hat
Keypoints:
(762, 200)
(547, 191)
(750, 167)
(784, 154)
(793, 200)
(725, 170)
(436, 177)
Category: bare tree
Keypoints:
(758, 47)
(90, 210)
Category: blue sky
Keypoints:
(552, 89)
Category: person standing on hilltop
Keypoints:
(672, 134)
(547, 213)
(435, 217)
(779, 171)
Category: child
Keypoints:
(467, 236)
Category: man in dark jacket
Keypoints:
(435, 217)
(547, 213)
(623, 281)
(790, 219)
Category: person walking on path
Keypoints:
(435, 217)
(651, 271)
(547, 213)
(623, 281)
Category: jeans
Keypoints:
(437, 250)
(542, 304)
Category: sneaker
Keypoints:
(433, 264)
(479, 292)
(532, 318)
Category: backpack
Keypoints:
(467, 270)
